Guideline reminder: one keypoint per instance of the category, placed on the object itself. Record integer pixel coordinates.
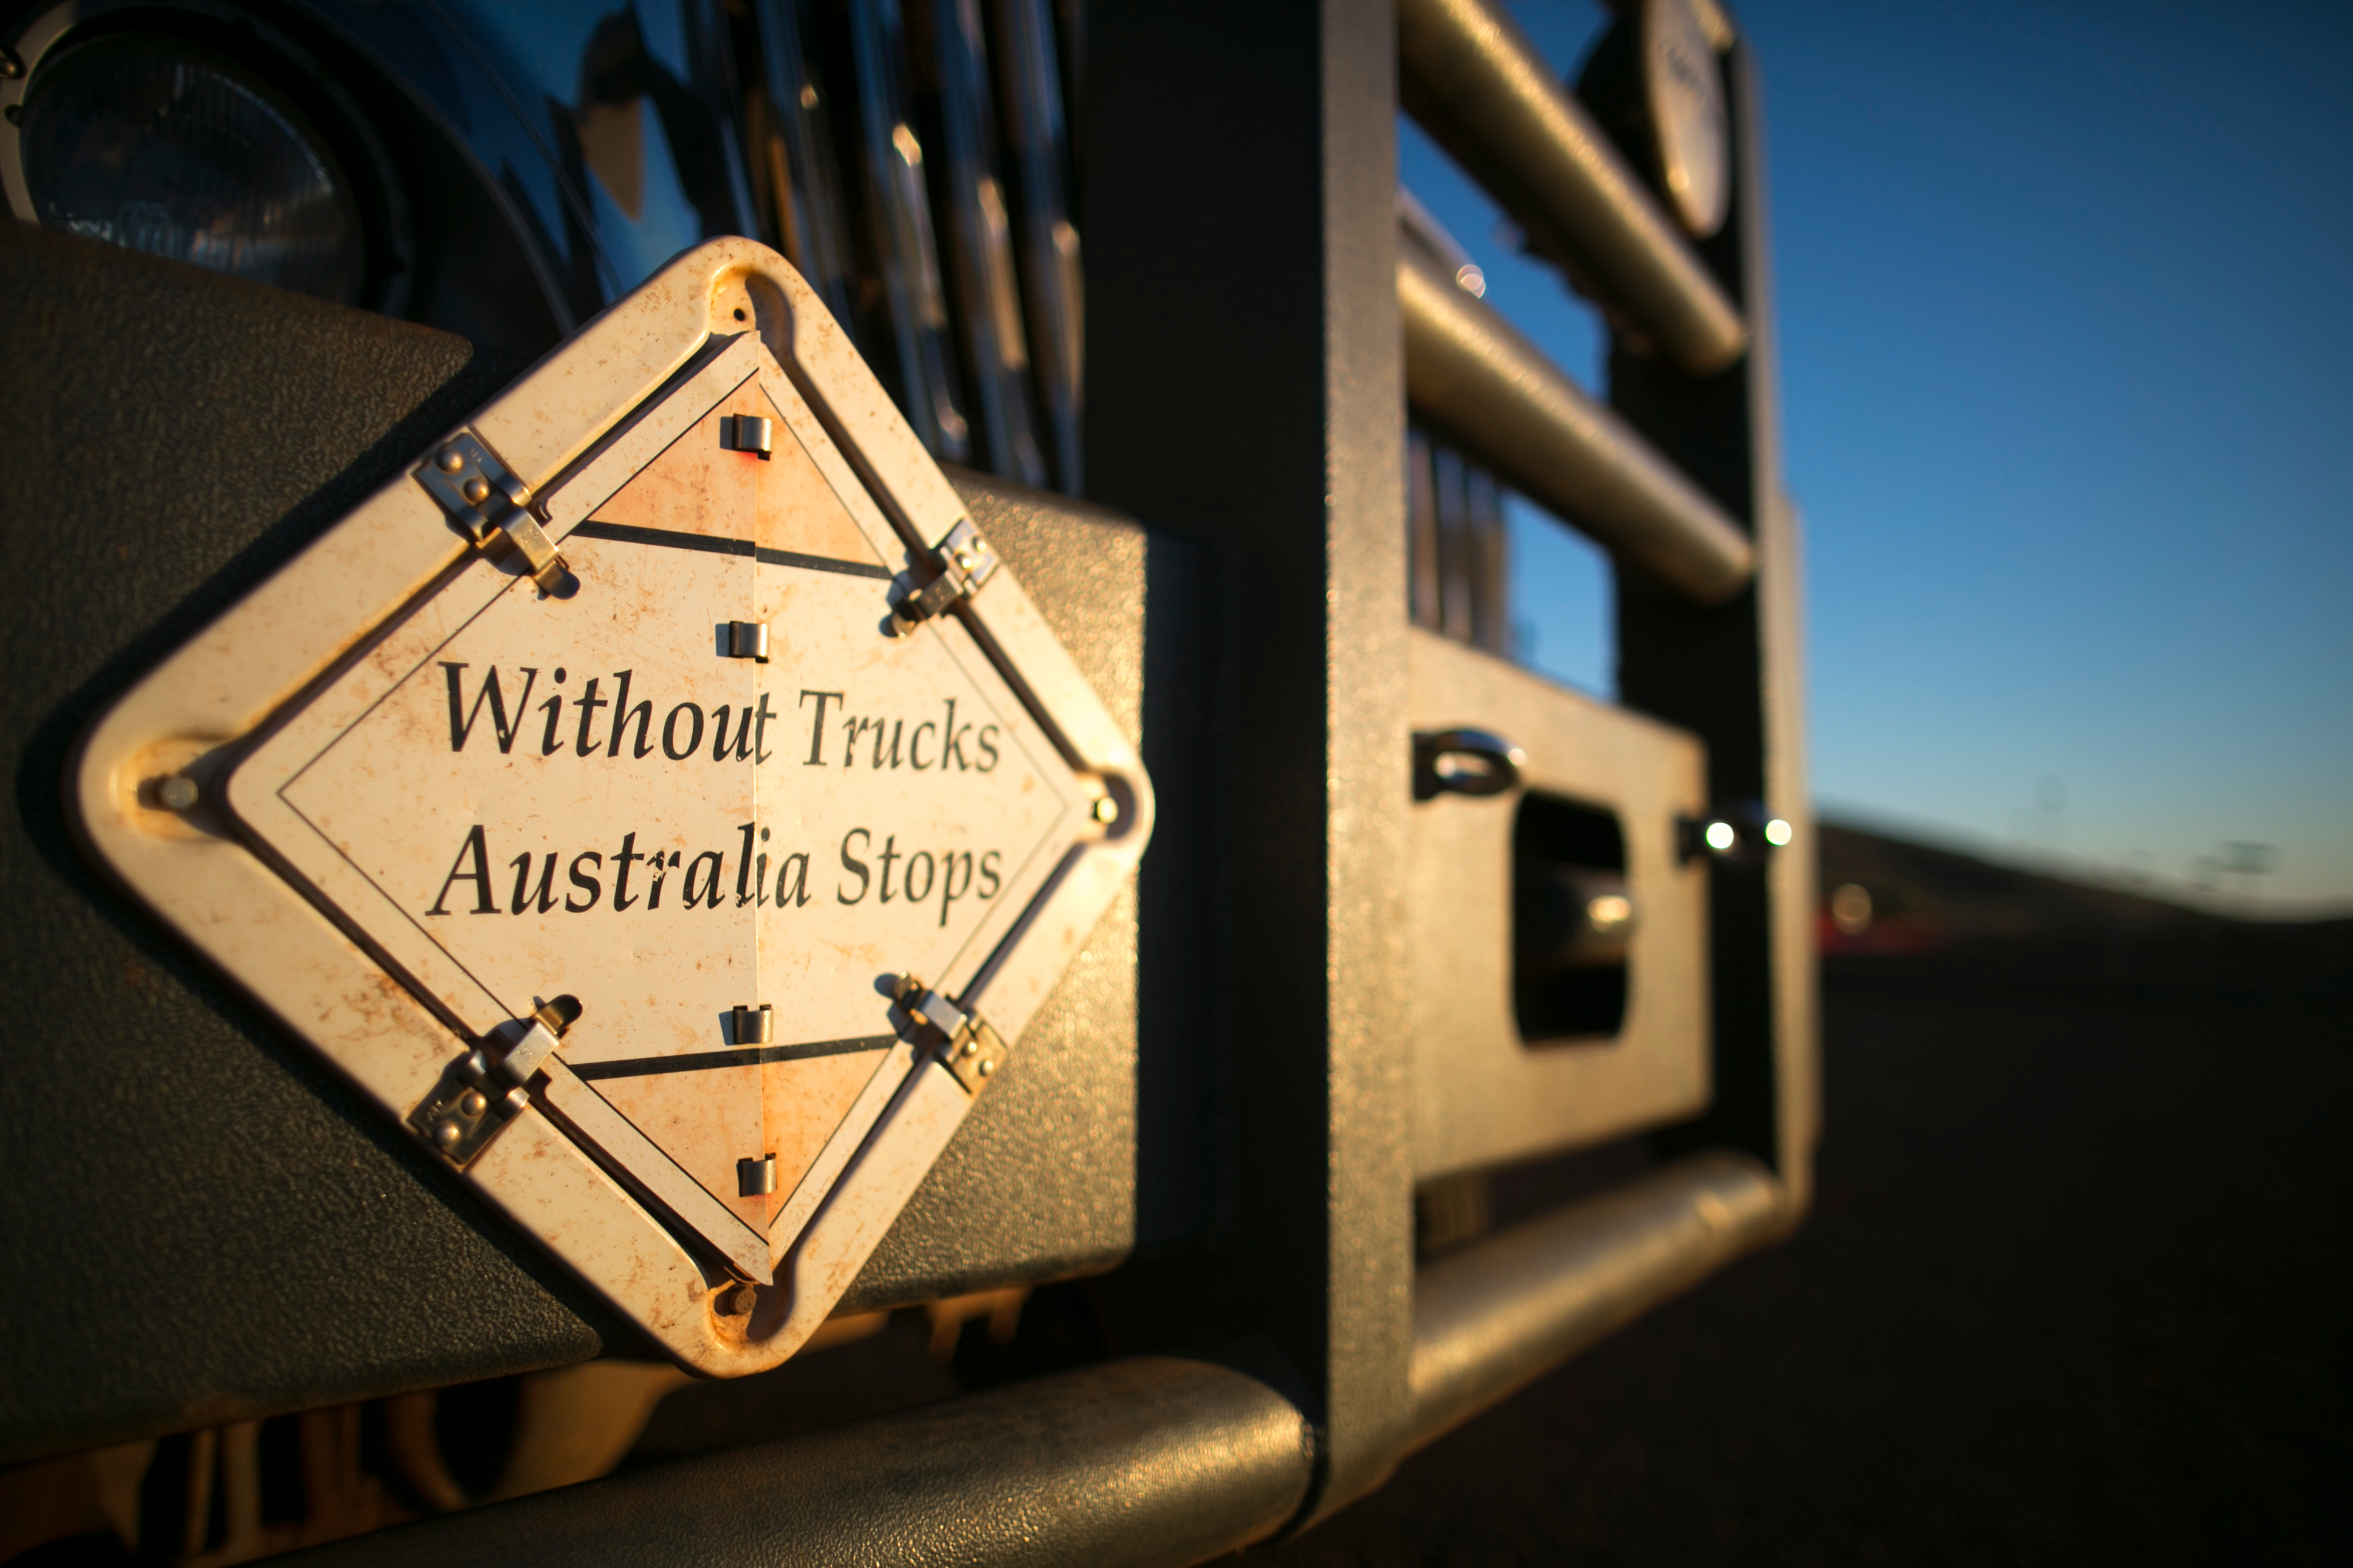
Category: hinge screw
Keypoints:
(452, 459)
(477, 490)
(177, 792)
(447, 1134)
(474, 1103)
(1106, 810)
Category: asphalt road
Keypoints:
(2076, 1291)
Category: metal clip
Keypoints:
(744, 639)
(747, 433)
(966, 561)
(491, 504)
(754, 1025)
(478, 1096)
(756, 1177)
(966, 1045)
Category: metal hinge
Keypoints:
(748, 433)
(966, 562)
(478, 1094)
(744, 639)
(491, 504)
(756, 1177)
(962, 1042)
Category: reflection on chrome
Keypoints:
(1608, 913)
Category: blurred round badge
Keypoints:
(1683, 84)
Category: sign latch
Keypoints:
(964, 1042)
(491, 504)
(478, 1094)
(966, 561)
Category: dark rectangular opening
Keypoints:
(1570, 918)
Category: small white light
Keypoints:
(1721, 836)
(1777, 833)
(1471, 281)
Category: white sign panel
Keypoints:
(706, 832)
(521, 796)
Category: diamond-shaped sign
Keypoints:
(695, 808)
(520, 796)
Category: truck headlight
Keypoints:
(162, 145)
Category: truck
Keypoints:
(534, 531)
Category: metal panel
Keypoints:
(1480, 1097)
(1466, 368)
(1066, 1116)
(1475, 82)
(177, 437)
(174, 437)
(1245, 384)
(652, 1132)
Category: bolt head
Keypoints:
(1106, 810)
(987, 1065)
(473, 1102)
(451, 460)
(477, 491)
(964, 559)
(446, 1135)
(177, 792)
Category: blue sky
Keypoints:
(2066, 311)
